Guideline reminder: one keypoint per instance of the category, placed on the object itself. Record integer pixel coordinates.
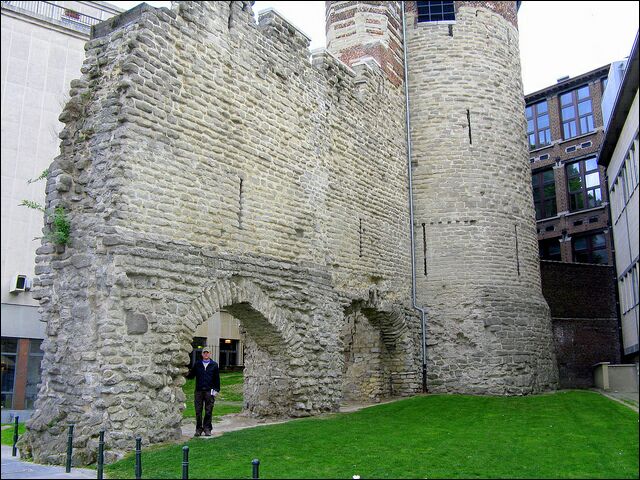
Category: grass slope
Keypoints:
(7, 434)
(576, 434)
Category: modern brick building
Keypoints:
(565, 131)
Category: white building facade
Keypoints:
(619, 154)
(42, 51)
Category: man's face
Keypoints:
(206, 355)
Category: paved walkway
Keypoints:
(13, 467)
(629, 399)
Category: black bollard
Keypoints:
(14, 449)
(256, 467)
(101, 456)
(185, 462)
(69, 448)
(138, 457)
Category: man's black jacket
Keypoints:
(205, 379)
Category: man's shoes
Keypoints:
(207, 433)
(198, 433)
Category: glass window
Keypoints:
(34, 371)
(576, 105)
(544, 193)
(435, 11)
(538, 129)
(583, 184)
(8, 369)
(590, 249)
(550, 249)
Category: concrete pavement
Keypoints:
(13, 467)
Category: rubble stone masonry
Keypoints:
(478, 269)
(206, 163)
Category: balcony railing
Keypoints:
(65, 16)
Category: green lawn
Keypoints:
(229, 400)
(575, 434)
(7, 434)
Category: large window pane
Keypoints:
(583, 92)
(573, 169)
(580, 243)
(595, 198)
(577, 103)
(543, 121)
(550, 207)
(599, 240)
(583, 182)
(600, 257)
(7, 374)
(592, 180)
(575, 184)
(550, 249)
(538, 125)
(585, 107)
(544, 193)
(591, 164)
(591, 249)
(9, 345)
(577, 201)
(432, 11)
(568, 113)
(34, 371)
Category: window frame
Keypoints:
(577, 117)
(535, 116)
(422, 17)
(542, 199)
(590, 250)
(14, 355)
(543, 249)
(584, 189)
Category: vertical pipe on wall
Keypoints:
(414, 302)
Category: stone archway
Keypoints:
(378, 353)
(269, 345)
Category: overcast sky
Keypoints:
(556, 38)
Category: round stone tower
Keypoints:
(478, 276)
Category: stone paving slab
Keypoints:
(13, 467)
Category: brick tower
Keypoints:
(477, 269)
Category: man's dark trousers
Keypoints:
(203, 397)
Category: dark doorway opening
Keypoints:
(228, 353)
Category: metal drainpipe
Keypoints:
(414, 302)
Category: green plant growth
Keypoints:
(575, 434)
(60, 229)
(7, 433)
(229, 400)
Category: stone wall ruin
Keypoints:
(208, 163)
